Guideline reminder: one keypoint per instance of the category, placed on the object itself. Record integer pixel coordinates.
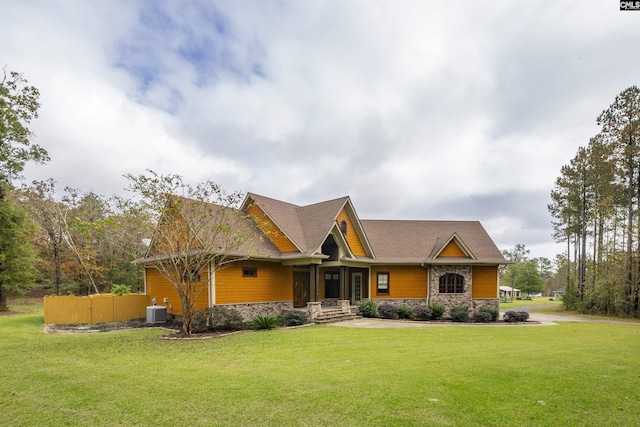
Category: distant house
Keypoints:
(557, 295)
(323, 255)
(509, 292)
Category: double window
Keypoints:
(383, 283)
(451, 284)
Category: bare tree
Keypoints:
(199, 229)
(45, 211)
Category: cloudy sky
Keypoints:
(416, 109)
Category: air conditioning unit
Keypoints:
(156, 314)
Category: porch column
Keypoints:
(344, 283)
(313, 282)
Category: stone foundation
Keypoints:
(411, 302)
(487, 302)
(251, 310)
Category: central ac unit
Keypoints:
(156, 314)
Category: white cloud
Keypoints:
(415, 109)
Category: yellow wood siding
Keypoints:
(404, 281)
(160, 288)
(352, 238)
(452, 250)
(485, 282)
(274, 234)
(273, 282)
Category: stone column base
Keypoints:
(344, 305)
(314, 309)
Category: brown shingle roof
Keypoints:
(415, 241)
(306, 226)
(392, 241)
(253, 244)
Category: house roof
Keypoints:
(306, 226)
(385, 241)
(422, 241)
(209, 216)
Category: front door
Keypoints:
(300, 288)
(356, 287)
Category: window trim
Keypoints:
(253, 270)
(451, 287)
(383, 291)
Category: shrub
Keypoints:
(437, 310)
(405, 312)
(265, 321)
(367, 308)
(483, 317)
(388, 311)
(200, 321)
(494, 312)
(422, 313)
(459, 313)
(120, 290)
(516, 316)
(295, 318)
(228, 319)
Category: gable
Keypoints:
(351, 235)
(269, 229)
(452, 249)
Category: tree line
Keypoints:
(65, 241)
(596, 210)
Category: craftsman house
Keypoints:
(323, 255)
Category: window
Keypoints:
(451, 284)
(249, 272)
(343, 227)
(383, 283)
(332, 285)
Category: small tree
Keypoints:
(18, 106)
(201, 230)
(16, 259)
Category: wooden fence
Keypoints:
(102, 308)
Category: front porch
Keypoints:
(329, 284)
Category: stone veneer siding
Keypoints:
(412, 302)
(452, 300)
(251, 310)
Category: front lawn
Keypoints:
(544, 301)
(572, 374)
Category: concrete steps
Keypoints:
(332, 316)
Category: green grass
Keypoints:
(531, 302)
(574, 374)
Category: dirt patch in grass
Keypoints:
(108, 327)
(9, 313)
(174, 329)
